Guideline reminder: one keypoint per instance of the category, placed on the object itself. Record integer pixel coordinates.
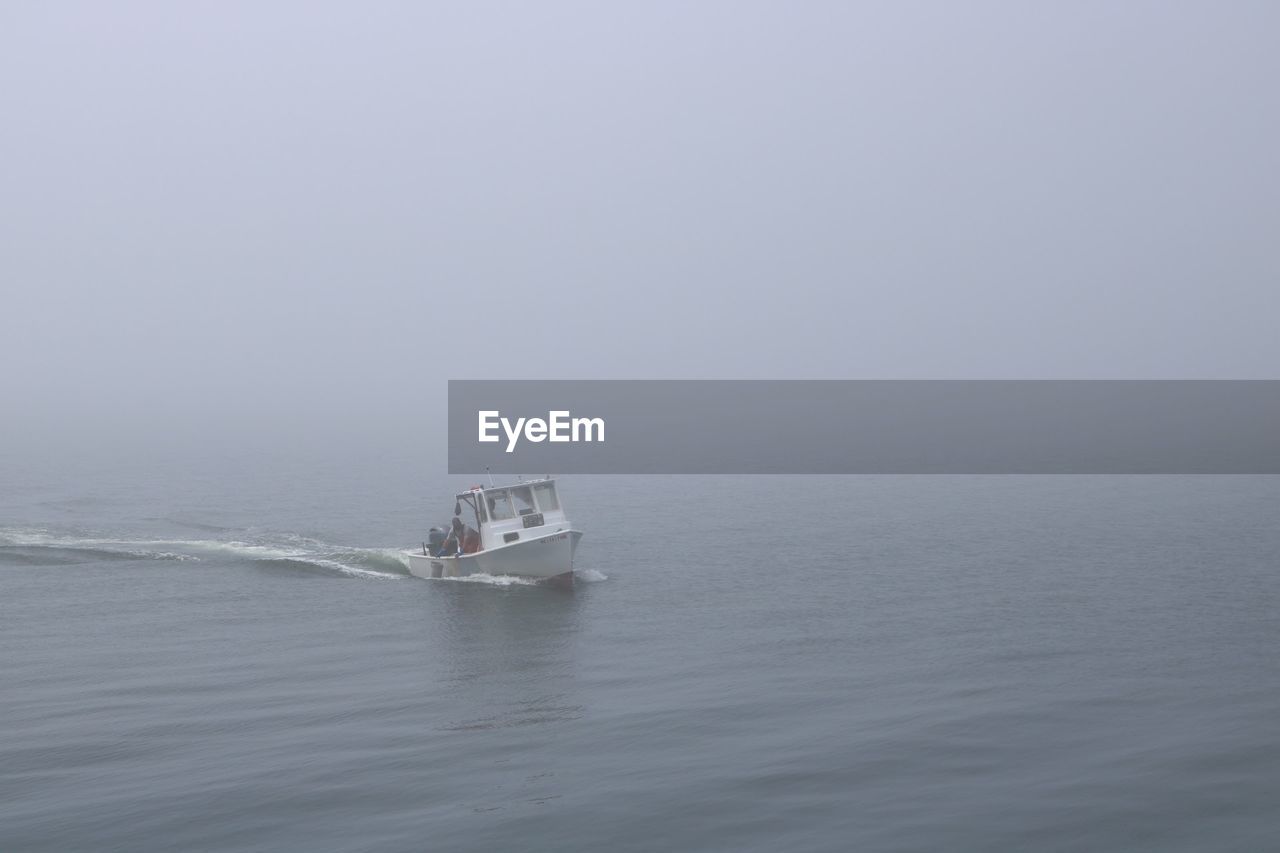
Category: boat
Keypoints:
(519, 530)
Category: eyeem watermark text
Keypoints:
(558, 426)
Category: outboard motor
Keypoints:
(435, 540)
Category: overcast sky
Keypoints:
(253, 215)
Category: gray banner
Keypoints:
(864, 427)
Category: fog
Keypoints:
(243, 221)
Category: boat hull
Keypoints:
(543, 558)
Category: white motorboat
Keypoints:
(518, 530)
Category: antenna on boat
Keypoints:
(490, 473)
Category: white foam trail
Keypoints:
(299, 549)
(318, 554)
(396, 554)
(242, 549)
(330, 556)
(343, 567)
(128, 547)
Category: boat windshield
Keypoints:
(522, 497)
(546, 494)
(499, 505)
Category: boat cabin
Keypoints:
(501, 515)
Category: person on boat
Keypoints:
(470, 540)
(453, 542)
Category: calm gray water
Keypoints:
(224, 653)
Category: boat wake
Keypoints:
(32, 547)
(41, 547)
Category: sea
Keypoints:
(223, 651)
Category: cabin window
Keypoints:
(523, 500)
(500, 506)
(547, 501)
(510, 537)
